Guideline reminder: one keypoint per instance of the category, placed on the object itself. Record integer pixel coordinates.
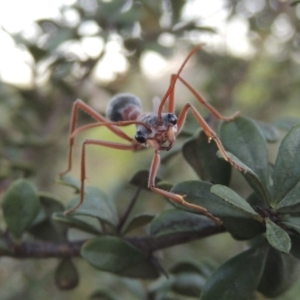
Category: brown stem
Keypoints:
(41, 249)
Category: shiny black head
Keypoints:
(172, 118)
(141, 137)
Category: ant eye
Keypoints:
(140, 137)
(172, 119)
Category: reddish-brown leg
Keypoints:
(78, 104)
(208, 131)
(86, 142)
(174, 79)
(206, 104)
(174, 197)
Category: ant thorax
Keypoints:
(163, 130)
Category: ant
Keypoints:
(157, 129)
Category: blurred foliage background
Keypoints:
(93, 49)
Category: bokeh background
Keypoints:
(54, 52)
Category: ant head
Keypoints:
(169, 119)
(141, 136)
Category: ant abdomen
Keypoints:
(123, 107)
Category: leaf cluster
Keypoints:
(268, 218)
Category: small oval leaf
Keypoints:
(75, 223)
(96, 204)
(278, 237)
(232, 198)
(176, 220)
(20, 206)
(239, 277)
(243, 138)
(286, 175)
(138, 221)
(66, 275)
(112, 254)
(201, 155)
(281, 272)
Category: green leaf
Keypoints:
(295, 249)
(178, 221)
(43, 226)
(140, 179)
(287, 123)
(70, 181)
(75, 223)
(188, 284)
(277, 237)
(240, 224)
(232, 198)
(243, 138)
(112, 254)
(294, 3)
(286, 174)
(20, 206)
(66, 275)
(238, 278)
(104, 295)
(185, 267)
(271, 133)
(138, 221)
(292, 222)
(96, 204)
(201, 155)
(281, 272)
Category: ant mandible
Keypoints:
(157, 129)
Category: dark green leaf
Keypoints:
(43, 227)
(201, 155)
(286, 176)
(188, 284)
(112, 254)
(243, 138)
(138, 221)
(240, 224)
(175, 221)
(294, 3)
(295, 249)
(277, 237)
(66, 275)
(104, 295)
(232, 198)
(140, 179)
(70, 181)
(281, 272)
(292, 222)
(287, 123)
(20, 206)
(186, 267)
(96, 204)
(75, 223)
(270, 132)
(238, 278)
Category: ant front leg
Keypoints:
(174, 197)
(206, 104)
(80, 105)
(108, 144)
(208, 131)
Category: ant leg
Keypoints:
(174, 79)
(79, 104)
(208, 131)
(174, 197)
(171, 104)
(86, 142)
(206, 104)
